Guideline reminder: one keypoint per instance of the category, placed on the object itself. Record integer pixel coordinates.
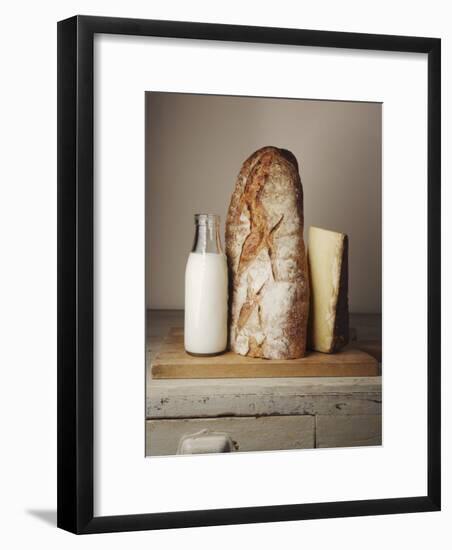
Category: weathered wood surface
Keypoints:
(172, 361)
(260, 396)
(247, 434)
(266, 396)
(348, 431)
(372, 347)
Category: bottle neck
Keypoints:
(207, 239)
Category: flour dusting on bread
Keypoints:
(269, 287)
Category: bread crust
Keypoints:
(268, 275)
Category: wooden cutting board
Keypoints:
(173, 362)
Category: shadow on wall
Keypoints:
(47, 516)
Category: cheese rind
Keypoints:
(328, 272)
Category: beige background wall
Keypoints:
(196, 144)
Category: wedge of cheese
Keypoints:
(328, 274)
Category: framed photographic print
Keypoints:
(248, 276)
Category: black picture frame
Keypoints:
(75, 273)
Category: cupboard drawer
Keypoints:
(266, 433)
(348, 431)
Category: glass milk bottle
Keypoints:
(206, 290)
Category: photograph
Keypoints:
(224, 271)
(263, 255)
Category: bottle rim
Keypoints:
(207, 219)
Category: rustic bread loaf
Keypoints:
(269, 286)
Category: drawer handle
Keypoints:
(204, 442)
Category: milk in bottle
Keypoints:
(206, 290)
